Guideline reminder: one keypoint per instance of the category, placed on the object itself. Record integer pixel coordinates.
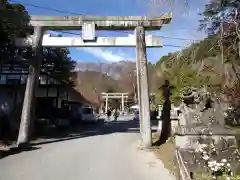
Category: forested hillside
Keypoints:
(199, 65)
(93, 78)
(212, 63)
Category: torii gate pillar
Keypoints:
(106, 104)
(28, 110)
(122, 103)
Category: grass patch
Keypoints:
(166, 153)
(236, 131)
(202, 176)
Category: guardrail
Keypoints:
(183, 172)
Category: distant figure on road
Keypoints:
(109, 113)
(4, 123)
(115, 114)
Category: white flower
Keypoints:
(204, 152)
(205, 157)
(228, 165)
(216, 168)
(221, 164)
(223, 160)
(203, 145)
(212, 163)
(218, 164)
(199, 149)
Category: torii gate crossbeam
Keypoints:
(151, 42)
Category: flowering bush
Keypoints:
(219, 169)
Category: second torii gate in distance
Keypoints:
(121, 96)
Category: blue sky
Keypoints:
(184, 23)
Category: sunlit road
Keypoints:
(104, 152)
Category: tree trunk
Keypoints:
(166, 123)
(236, 62)
(239, 48)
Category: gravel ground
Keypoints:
(109, 152)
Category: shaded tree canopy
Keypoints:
(14, 19)
(223, 16)
(14, 23)
(56, 61)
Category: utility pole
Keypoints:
(31, 88)
(134, 75)
(143, 97)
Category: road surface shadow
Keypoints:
(17, 150)
(119, 126)
(76, 132)
(130, 126)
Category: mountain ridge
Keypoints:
(113, 69)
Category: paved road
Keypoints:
(104, 152)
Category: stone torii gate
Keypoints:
(88, 25)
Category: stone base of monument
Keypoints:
(188, 141)
(202, 137)
(188, 138)
(174, 123)
(192, 141)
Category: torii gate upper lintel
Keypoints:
(89, 24)
(102, 22)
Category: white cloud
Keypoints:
(108, 55)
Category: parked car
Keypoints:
(136, 115)
(153, 115)
(88, 115)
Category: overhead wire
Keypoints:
(72, 33)
(165, 45)
(177, 38)
(46, 8)
(166, 37)
(70, 12)
(184, 39)
(74, 13)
